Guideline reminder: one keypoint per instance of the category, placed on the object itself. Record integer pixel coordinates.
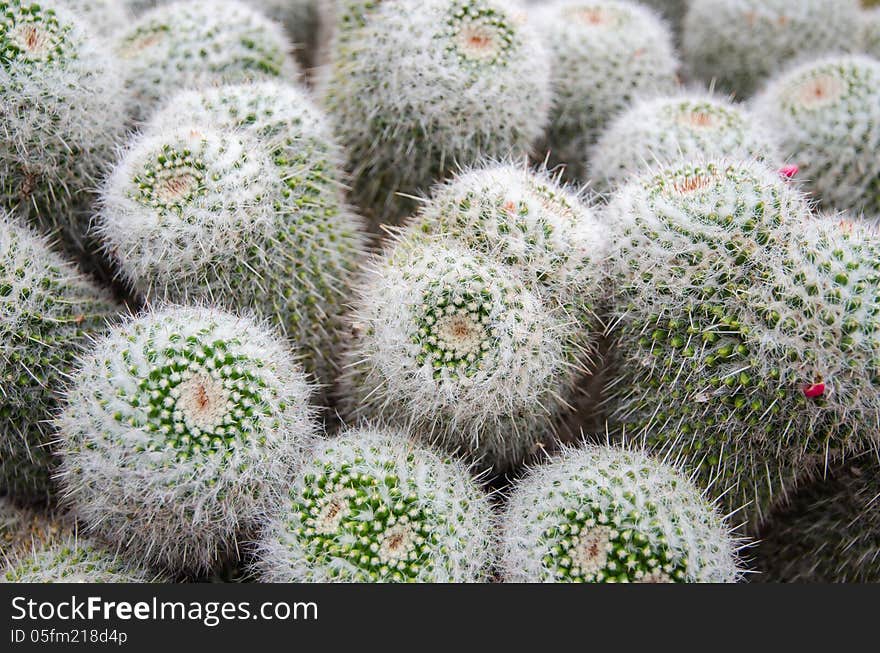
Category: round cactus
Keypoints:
(528, 221)
(456, 346)
(74, 560)
(62, 110)
(663, 130)
(829, 532)
(737, 323)
(435, 84)
(603, 514)
(371, 506)
(179, 430)
(234, 194)
(605, 53)
(198, 43)
(827, 114)
(48, 309)
(736, 44)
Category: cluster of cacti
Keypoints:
(48, 310)
(737, 44)
(266, 391)
(662, 130)
(604, 514)
(371, 505)
(827, 115)
(474, 326)
(746, 327)
(829, 532)
(61, 114)
(199, 43)
(181, 427)
(605, 54)
(425, 86)
(234, 194)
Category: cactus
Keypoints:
(663, 130)
(371, 506)
(528, 221)
(737, 45)
(870, 33)
(62, 111)
(829, 532)
(180, 428)
(604, 514)
(48, 310)
(198, 43)
(434, 84)
(234, 194)
(827, 114)
(74, 560)
(745, 337)
(606, 54)
(457, 347)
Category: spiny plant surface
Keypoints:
(827, 115)
(737, 44)
(74, 560)
(662, 130)
(605, 54)
(179, 429)
(61, 114)
(435, 84)
(870, 34)
(456, 346)
(829, 532)
(234, 194)
(47, 311)
(746, 335)
(525, 219)
(199, 43)
(603, 514)
(372, 506)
